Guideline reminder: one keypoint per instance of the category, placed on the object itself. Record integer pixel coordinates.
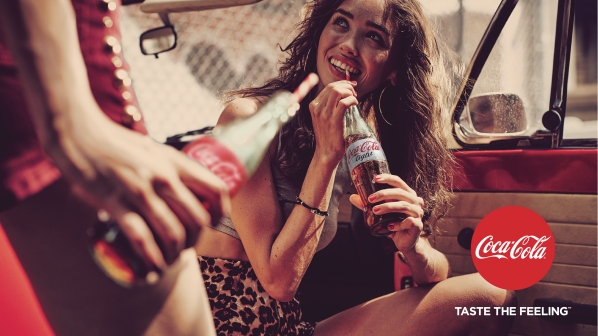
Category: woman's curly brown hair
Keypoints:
(417, 107)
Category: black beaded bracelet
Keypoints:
(313, 210)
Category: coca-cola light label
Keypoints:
(364, 150)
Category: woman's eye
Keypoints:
(341, 22)
(376, 38)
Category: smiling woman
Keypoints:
(365, 54)
(254, 261)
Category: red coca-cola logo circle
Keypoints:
(513, 248)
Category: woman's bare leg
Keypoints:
(48, 233)
(426, 310)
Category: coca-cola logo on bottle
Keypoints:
(513, 248)
(364, 150)
(219, 160)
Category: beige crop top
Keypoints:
(288, 190)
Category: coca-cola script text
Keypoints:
(521, 248)
(364, 150)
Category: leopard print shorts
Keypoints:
(241, 306)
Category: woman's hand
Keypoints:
(402, 199)
(159, 197)
(426, 263)
(327, 113)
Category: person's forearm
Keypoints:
(427, 264)
(42, 38)
(297, 242)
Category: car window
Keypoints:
(461, 23)
(580, 120)
(521, 61)
(218, 50)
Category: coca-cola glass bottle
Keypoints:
(366, 159)
(233, 152)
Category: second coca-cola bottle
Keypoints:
(233, 152)
(366, 159)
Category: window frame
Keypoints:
(554, 116)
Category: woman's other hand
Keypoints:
(402, 199)
(145, 186)
(327, 113)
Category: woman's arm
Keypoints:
(280, 254)
(427, 264)
(280, 251)
(136, 180)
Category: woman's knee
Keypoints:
(471, 290)
(491, 295)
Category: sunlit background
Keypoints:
(227, 49)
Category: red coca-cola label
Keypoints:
(220, 160)
(513, 248)
(364, 150)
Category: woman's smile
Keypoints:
(340, 66)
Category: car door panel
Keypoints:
(558, 170)
(559, 185)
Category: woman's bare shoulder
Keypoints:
(240, 108)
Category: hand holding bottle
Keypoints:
(367, 161)
(233, 153)
(401, 199)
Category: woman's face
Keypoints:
(357, 38)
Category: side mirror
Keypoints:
(158, 40)
(495, 113)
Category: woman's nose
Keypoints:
(349, 46)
